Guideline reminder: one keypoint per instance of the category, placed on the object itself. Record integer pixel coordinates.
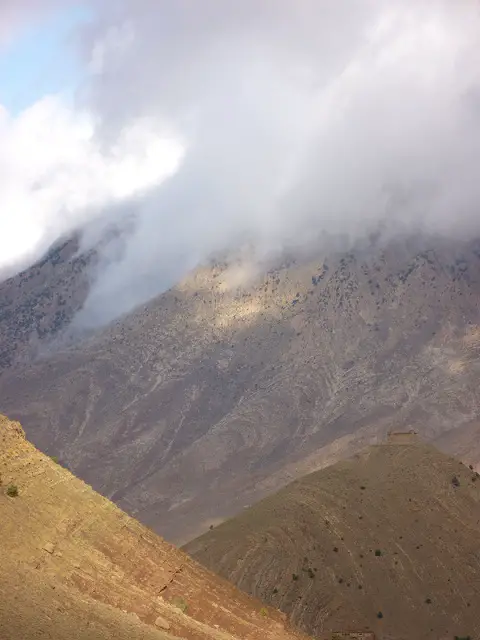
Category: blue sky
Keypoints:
(41, 60)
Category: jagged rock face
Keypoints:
(214, 395)
(385, 541)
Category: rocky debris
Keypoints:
(161, 623)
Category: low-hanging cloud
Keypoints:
(275, 121)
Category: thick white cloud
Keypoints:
(295, 117)
(55, 177)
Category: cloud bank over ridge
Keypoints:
(208, 124)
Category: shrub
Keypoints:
(311, 573)
(263, 612)
(335, 549)
(55, 459)
(428, 601)
(378, 552)
(379, 615)
(180, 603)
(275, 590)
(294, 576)
(455, 481)
(12, 490)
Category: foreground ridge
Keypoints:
(74, 566)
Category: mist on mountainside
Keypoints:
(200, 129)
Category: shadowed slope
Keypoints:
(75, 567)
(386, 540)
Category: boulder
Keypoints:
(161, 623)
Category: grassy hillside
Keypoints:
(387, 540)
(75, 567)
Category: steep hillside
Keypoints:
(36, 304)
(387, 540)
(223, 389)
(73, 566)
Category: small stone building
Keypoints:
(402, 437)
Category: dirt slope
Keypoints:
(387, 540)
(214, 394)
(73, 566)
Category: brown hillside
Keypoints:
(75, 567)
(392, 532)
(222, 390)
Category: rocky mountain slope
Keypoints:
(224, 389)
(75, 567)
(386, 541)
(39, 302)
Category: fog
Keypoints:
(202, 126)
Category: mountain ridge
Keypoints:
(40, 302)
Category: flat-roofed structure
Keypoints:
(402, 437)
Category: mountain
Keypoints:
(234, 382)
(386, 541)
(39, 302)
(75, 567)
